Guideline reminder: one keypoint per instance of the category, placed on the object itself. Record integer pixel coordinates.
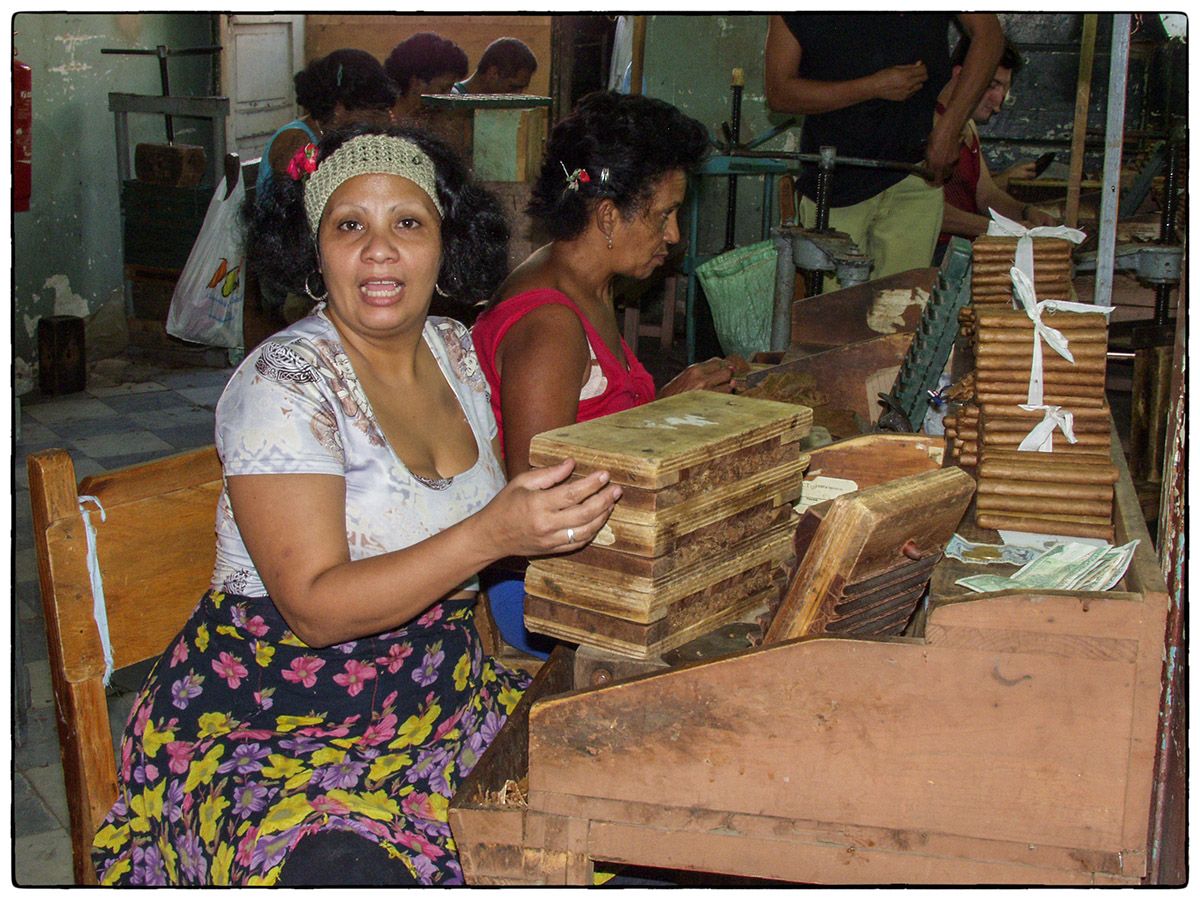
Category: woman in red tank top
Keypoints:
(611, 182)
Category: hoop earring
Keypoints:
(309, 290)
(437, 287)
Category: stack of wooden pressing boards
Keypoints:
(702, 535)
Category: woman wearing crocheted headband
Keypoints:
(608, 193)
(312, 720)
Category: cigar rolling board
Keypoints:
(1006, 738)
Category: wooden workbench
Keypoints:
(1012, 742)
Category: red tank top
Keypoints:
(626, 388)
(959, 191)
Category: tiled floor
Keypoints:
(130, 412)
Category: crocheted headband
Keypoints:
(368, 154)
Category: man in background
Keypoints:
(506, 67)
(866, 84)
(971, 191)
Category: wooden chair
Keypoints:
(155, 549)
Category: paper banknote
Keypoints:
(1064, 567)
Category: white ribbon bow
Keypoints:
(1004, 227)
(1041, 436)
(1023, 285)
(99, 610)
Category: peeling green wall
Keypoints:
(689, 61)
(67, 247)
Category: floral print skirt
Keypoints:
(244, 740)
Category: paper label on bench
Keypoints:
(822, 488)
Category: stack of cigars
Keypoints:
(702, 535)
(992, 259)
(1068, 490)
(962, 433)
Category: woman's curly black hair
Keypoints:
(353, 78)
(281, 248)
(637, 139)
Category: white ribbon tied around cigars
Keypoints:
(1042, 436)
(1004, 227)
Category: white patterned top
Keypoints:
(295, 406)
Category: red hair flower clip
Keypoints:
(303, 163)
(576, 178)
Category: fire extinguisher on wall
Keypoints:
(22, 135)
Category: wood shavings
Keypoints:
(512, 793)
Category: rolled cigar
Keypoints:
(1013, 337)
(1099, 492)
(1002, 503)
(1038, 460)
(1093, 433)
(1048, 397)
(1053, 379)
(970, 446)
(1087, 358)
(1042, 272)
(1097, 418)
(1021, 345)
(1006, 470)
(992, 243)
(1050, 362)
(1088, 334)
(1084, 439)
(1047, 261)
(1067, 323)
(1062, 450)
(1039, 526)
(1041, 279)
(1054, 517)
(1058, 267)
(1081, 456)
(968, 459)
(1084, 331)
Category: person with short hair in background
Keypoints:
(506, 67)
(425, 63)
(971, 192)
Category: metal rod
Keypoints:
(735, 132)
(166, 88)
(828, 156)
(1162, 292)
(1114, 133)
(815, 158)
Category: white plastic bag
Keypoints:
(206, 306)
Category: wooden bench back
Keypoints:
(155, 545)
